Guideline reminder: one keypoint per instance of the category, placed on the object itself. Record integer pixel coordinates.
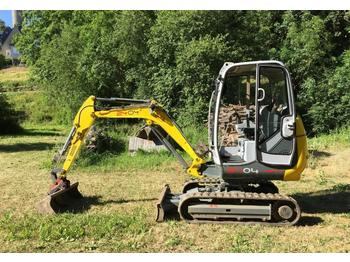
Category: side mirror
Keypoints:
(288, 126)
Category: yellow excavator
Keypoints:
(255, 137)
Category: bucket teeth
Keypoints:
(60, 201)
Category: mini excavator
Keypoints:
(255, 137)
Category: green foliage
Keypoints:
(173, 56)
(187, 49)
(339, 138)
(4, 62)
(190, 82)
(63, 228)
(206, 55)
(314, 43)
(85, 59)
(32, 106)
(331, 108)
(306, 45)
(41, 27)
(2, 26)
(9, 118)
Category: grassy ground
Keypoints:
(119, 206)
(24, 96)
(13, 78)
(120, 192)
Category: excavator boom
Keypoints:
(153, 114)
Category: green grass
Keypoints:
(70, 228)
(24, 97)
(338, 138)
(119, 205)
(114, 155)
(31, 106)
(118, 157)
(124, 161)
(120, 192)
(53, 228)
(15, 79)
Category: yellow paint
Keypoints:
(153, 114)
(83, 120)
(294, 173)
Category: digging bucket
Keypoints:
(61, 201)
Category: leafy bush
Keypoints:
(331, 108)
(85, 60)
(9, 118)
(173, 56)
(31, 107)
(4, 62)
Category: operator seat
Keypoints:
(269, 121)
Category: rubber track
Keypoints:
(240, 196)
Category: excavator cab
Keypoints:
(252, 118)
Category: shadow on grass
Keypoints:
(105, 149)
(19, 147)
(85, 203)
(38, 132)
(309, 221)
(319, 154)
(335, 200)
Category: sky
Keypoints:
(5, 15)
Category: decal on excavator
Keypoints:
(127, 112)
(245, 170)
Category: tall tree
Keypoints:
(173, 56)
(2, 26)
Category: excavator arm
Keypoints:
(153, 114)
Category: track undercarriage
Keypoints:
(208, 201)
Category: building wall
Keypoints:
(7, 48)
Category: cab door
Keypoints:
(275, 121)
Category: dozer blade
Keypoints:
(61, 201)
(165, 207)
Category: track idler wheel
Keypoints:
(286, 211)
